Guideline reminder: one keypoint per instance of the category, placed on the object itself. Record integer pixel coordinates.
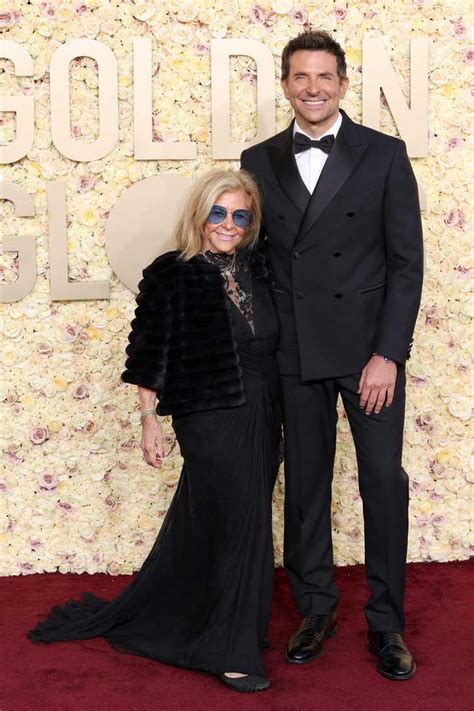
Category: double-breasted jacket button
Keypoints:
(338, 296)
(296, 255)
(336, 254)
(350, 213)
(300, 295)
(281, 216)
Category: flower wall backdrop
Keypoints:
(75, 493)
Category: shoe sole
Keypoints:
(230, 686)
(247, 691)
(392, 677)
(330, 633)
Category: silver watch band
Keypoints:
(386, 358)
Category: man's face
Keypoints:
(314, 90)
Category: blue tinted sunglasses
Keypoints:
(240, 218)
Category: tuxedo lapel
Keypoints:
(345, 155)
(286, 171)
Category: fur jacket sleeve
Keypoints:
(181, 343)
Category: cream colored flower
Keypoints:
(282, 7)
(460, 406)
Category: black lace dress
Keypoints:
(203, 595)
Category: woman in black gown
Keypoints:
(202, 597)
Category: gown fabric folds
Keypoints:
(202, 598)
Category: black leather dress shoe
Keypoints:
(249, 683)
(307, 643)
(394, 660)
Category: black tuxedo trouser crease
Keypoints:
(310, 444)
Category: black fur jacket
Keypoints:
(181, 344)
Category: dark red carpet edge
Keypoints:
(91, 676)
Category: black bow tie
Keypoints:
(303, 143)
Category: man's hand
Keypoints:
(152, 441)
(377, 385)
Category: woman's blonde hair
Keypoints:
(203, 195)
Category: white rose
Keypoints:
(460, 406)
(282, 7)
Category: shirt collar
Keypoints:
(333, 130)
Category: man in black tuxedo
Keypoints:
(342, 223)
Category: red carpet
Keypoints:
(91, 676)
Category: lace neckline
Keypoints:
(225, 262)
(234, 269)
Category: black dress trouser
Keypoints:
(310, 419)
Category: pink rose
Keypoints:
(38, 435)
(431, 316)
(462, 270)
(438, 470)
(111, 503)
(454, 142)
(201, 48)
(454, 218)
(80, 8)
(71, 332)
(417, 381)
(66, 507)
(26, 568)
(340, 13)
(45, 349)
(460, 30)
(48, 10)
(421, 521)
(354, 535)
(249, 77)
(424, 422)
(271, 18)
(469, 55)
(3, 486)
(8, 18)
(47, 481)
(299, 16)
(12, 456)
(91, 427)
(257, 15)
(80, 392)
(85, 183)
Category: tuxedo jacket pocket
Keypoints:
(376, 287)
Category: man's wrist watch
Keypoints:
(386, 358)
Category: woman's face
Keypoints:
(225, 237)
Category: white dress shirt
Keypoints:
(311, 162)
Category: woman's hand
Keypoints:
(152, 441)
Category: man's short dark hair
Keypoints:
(314, 41)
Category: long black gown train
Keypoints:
(203, 595)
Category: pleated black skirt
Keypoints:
(202, 598)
